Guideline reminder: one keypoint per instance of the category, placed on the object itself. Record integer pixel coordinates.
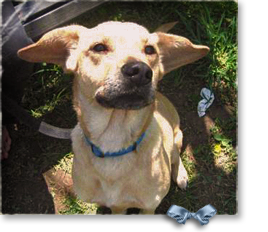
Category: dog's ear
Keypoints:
(176, 51)
(57, 46)
(166, 27)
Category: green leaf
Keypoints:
(218, 137)
(225, 142)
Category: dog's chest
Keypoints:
(121, 181)
(129, 186)
(130, 190)
(118, 193)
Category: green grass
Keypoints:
(76, 206)
(49, 87)
(212, 165)
(223, 148)
(214, 24)
(65, 164)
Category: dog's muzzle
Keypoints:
(133, 91)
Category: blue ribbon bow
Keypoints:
(181, 215)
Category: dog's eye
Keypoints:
(100, 48)
(149, 50)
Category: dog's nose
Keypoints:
(138, 73)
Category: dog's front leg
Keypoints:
(180, 175)
(179, 172)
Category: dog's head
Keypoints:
(117, 64)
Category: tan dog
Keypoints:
(117, 67)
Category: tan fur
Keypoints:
(141, 178)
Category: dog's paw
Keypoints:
(182, 178)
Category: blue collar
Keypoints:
(98, 152)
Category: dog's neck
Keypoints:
(111, 129)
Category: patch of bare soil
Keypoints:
(60, 185)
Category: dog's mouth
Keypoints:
(132, 100)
